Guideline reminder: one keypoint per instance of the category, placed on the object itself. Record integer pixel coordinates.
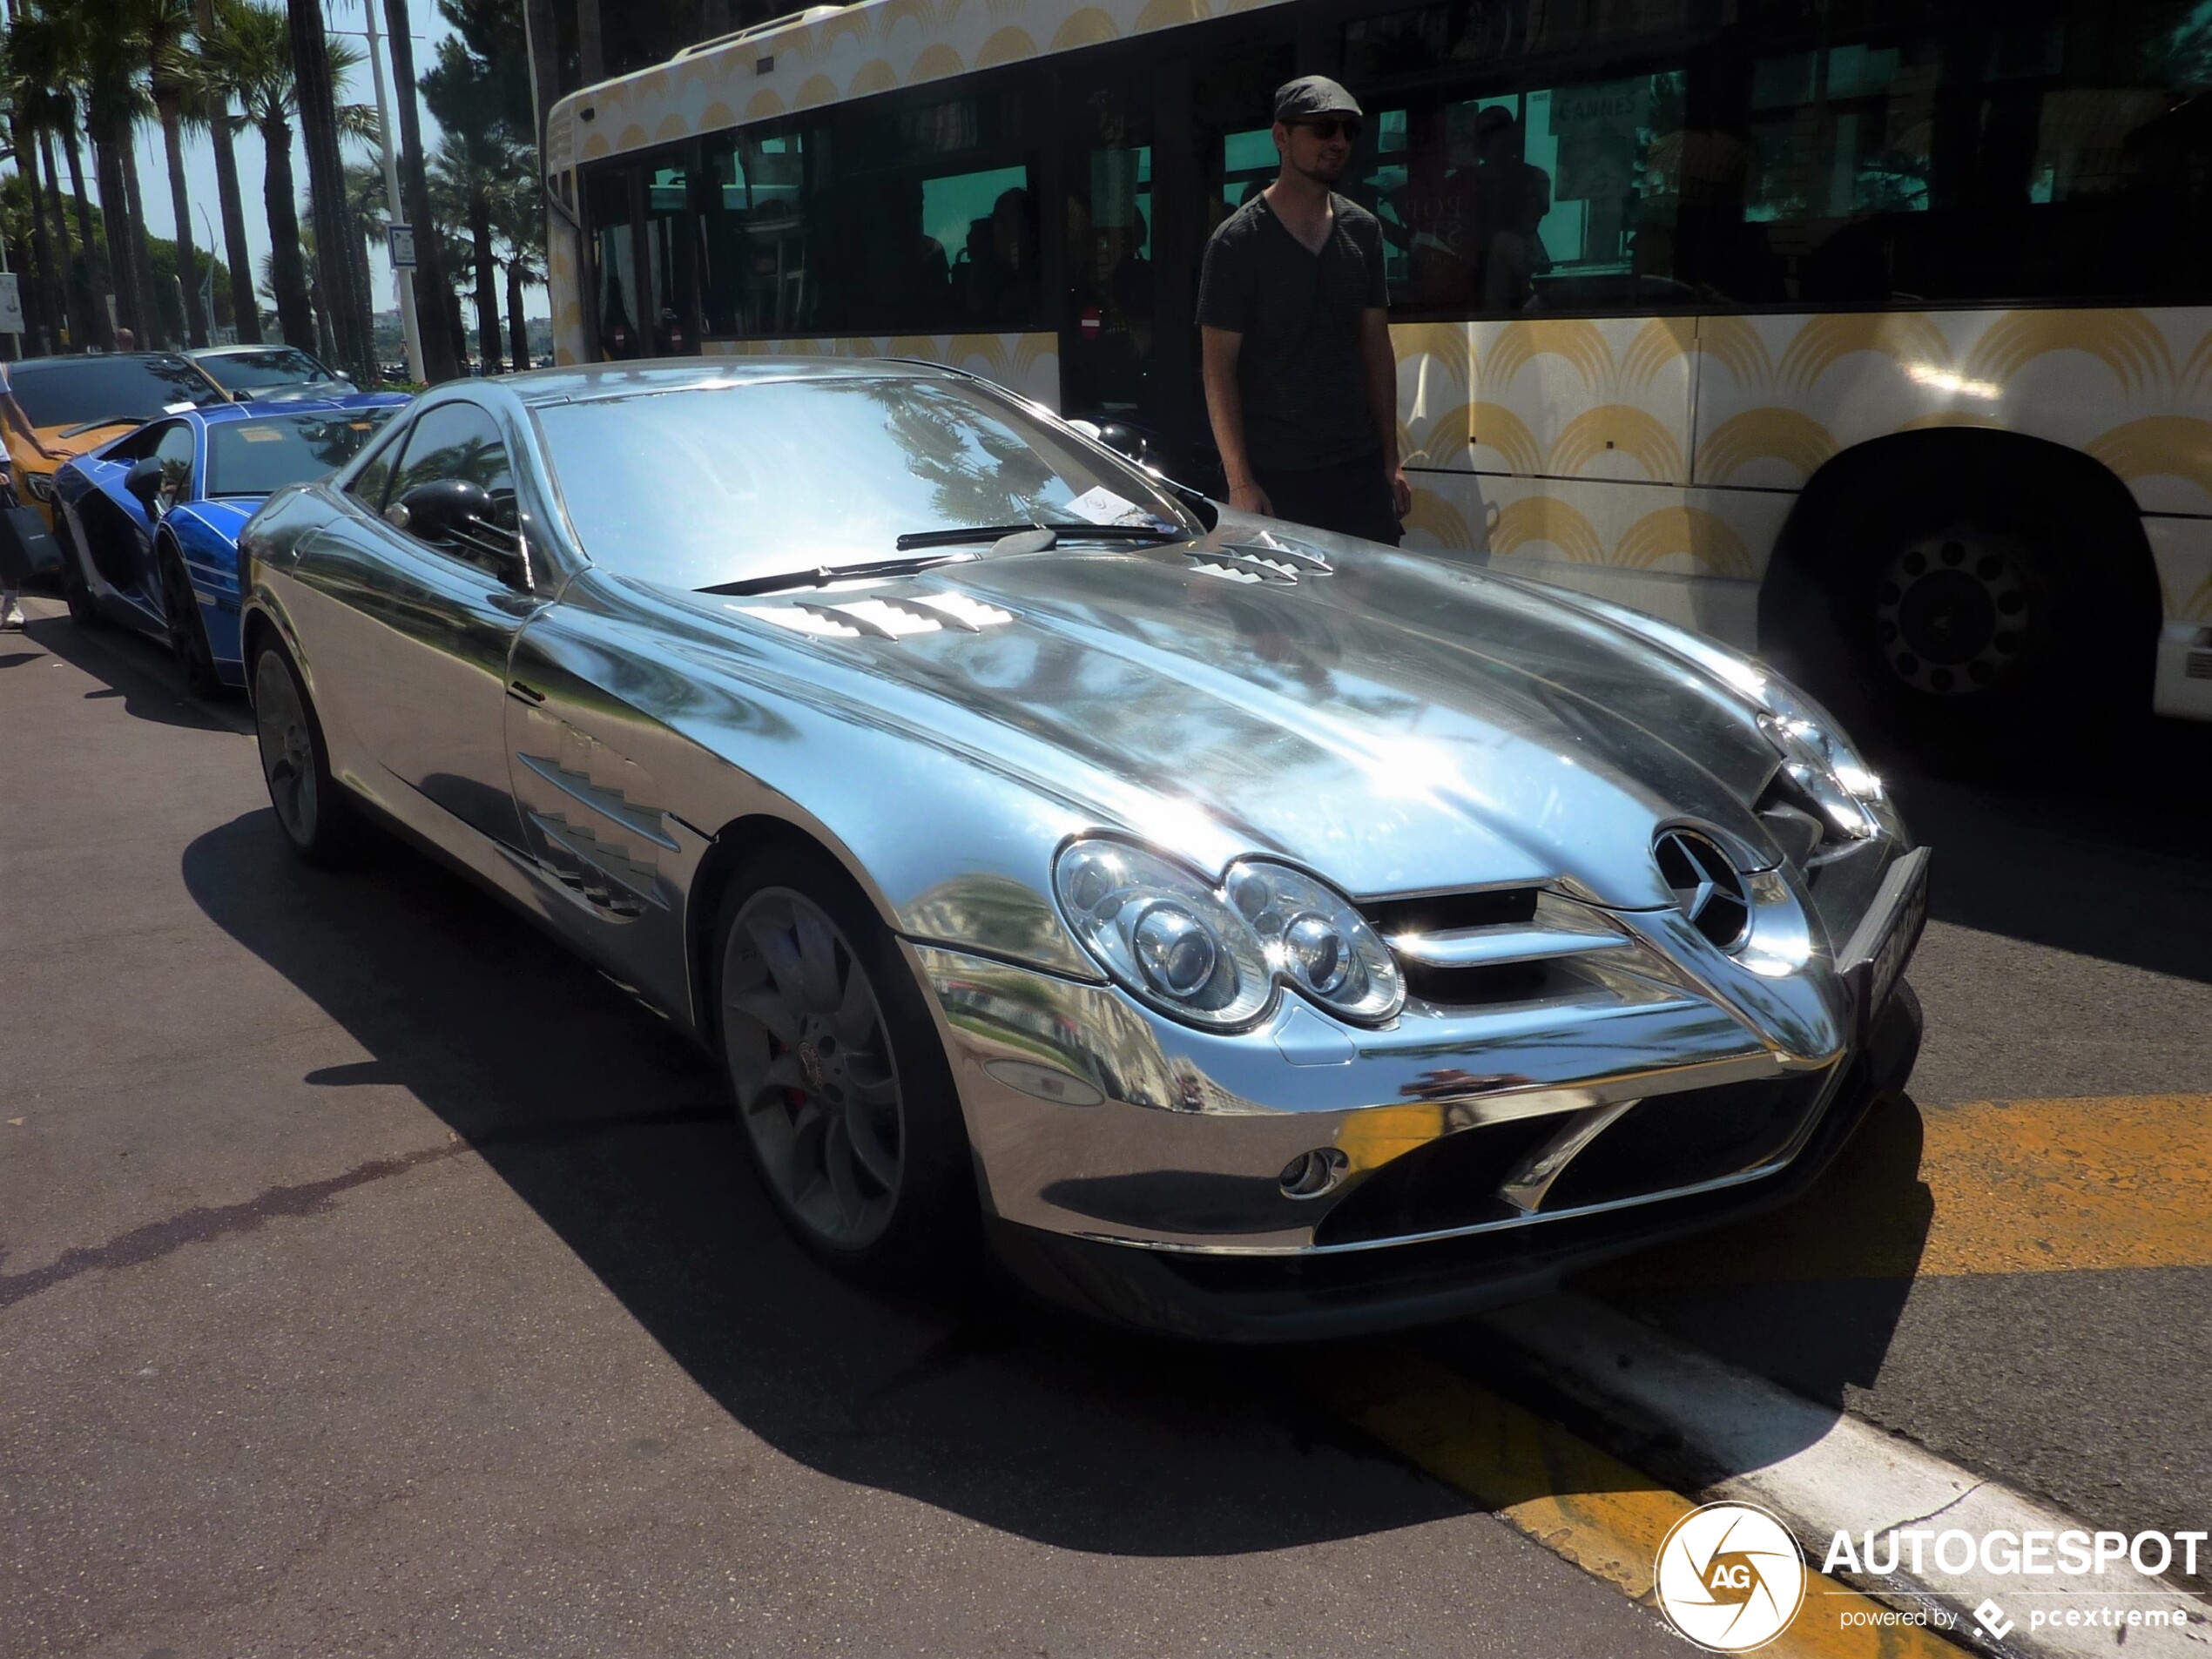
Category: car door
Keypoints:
(119, 535)
(415, 642)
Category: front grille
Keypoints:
(1449, 1182)
(1662, 1144)
(1672, 1141)
(1439, 912)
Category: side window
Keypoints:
(459, 443)
(373, 481)
(174, 449)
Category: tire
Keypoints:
(84, 608)
(318, 817)
(187, 630)
(1977, 619)
(839, 1078)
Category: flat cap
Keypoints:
(1312, 95)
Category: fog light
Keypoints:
(1310, 1174)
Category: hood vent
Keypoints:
(1505, 945)
(877, 618)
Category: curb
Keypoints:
(1737, 1435)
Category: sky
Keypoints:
(339, 17)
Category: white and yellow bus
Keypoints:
(1873, 332)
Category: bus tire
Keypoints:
(1976, 616)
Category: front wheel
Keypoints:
(840, 1079)
(187, 630)
(317, 816)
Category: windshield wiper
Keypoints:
(1073, 532)
(823, 575)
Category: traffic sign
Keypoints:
(10, 303)
(402, 246)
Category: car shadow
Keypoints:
(616, 1131)
(2103, 855)
(139, 669)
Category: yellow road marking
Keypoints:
(1993, 1186)
(1576, 1501)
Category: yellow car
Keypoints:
(73, 404)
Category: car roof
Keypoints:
(74, 359)
(271, 408)
(239, 351)
(537, 386)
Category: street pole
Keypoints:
(404, 280)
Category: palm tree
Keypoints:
(317, 103)
(171, 53)
(470, 172)
(249, 55)
(110, 49)
(44, 45)
(210, 108)
(518, 220)
(47, 291)
(439, 360)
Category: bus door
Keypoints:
(644, 292)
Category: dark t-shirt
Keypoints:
(1300, 370)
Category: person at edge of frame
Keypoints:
(1293, 314)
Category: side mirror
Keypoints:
(462, 517)
(143, 481)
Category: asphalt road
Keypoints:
(375, 1279)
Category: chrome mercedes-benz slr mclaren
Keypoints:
(1250, 932)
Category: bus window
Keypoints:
(1106, 359)
(752, 232)
(614, 310)
(935, 219)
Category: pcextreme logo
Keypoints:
(1729, 1577)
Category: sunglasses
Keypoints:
(1328, 127)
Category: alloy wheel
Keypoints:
(811, 1062)
(287, 747)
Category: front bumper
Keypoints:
(1322, 1296)
(1588, 1103)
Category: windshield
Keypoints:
(725, 483)
(248, 371)
(256, 457)
(71, 390)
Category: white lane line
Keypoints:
(1826, 1471)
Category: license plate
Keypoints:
(1875, 958)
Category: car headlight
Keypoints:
(1212, 955)
(40, 484)
(1815, 753)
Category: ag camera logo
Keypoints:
(1729, 1577)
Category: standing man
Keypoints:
(1293, 314)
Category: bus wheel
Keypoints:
(1974, 625)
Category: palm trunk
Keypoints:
(440, 361)
(45, 314)
(100, 334)
(326, 191)
(74, 311)
(98, 314)
(487, 282)
(115, 220)
(518, 337)
(288, 271)
(172, 140)
(246, 310)
(156, 333)
(180, 204)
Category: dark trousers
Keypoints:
(1351, 498)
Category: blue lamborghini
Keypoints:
(152, 518)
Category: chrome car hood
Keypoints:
(1395, 723)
